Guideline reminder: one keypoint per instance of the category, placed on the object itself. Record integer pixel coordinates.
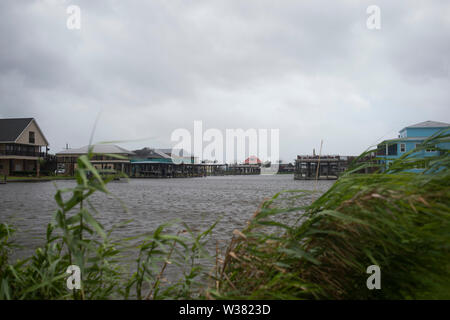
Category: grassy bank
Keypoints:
(38, 179)
(397, 220)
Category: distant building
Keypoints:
(171, 163)
(22, 146)
(253, 160)
(409, 138)
(324, 167)
(103, 158)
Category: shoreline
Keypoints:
(47, 179)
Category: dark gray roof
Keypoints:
(429, 124)
(151, 153)
(10, 129)
(162, 153)
(181, 152)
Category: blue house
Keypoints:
(409, 138)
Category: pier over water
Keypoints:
(325, 167)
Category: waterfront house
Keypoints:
(158, 163)
(409, 138)
(104, 158)
(22, 146)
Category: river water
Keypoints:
(199, 202)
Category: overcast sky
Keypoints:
(309, 68)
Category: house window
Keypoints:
(31, 137)
(430, 150)
(392, 150)
(402, 147)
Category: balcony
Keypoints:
(22, 153)
(392, 150)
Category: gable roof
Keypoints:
(161, 153)
(181, 152)
(428, 124)
(98, 148)
(151, 154)
(252, 160)
(10, 129)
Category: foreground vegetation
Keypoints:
(395, 219)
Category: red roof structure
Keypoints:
(252, 160)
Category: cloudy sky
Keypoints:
(311, 69)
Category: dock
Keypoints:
(320, 168)
(328, 167)
(159, 169)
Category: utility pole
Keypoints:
(318, 166)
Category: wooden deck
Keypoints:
(325, 167)
(169, 170)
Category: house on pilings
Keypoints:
(22, 147)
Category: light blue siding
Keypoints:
(418, 132)
(409, 144)
(421, 132)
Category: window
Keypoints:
(392, 150)
(402, 147)
(31, 137)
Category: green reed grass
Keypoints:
(393, 218)
(76, 237)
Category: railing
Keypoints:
(22, 153)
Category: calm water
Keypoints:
(197, 201)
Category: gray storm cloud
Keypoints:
(309, 68)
